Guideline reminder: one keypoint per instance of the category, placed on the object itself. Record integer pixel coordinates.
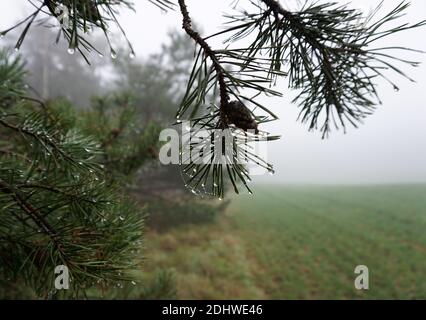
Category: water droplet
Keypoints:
(220, 198)
(121, 218)
(132, 55)
(113, 54)
(2, 35)
(71, 51)
(396, 88)
(215, 185)
(16, 49)
(134, 283)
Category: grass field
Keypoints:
(302, 243)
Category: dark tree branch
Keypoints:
(187, 26)
(276, 7)
(32, 212)
(35, 136)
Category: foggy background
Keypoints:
(389, 148)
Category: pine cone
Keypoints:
(239, 115)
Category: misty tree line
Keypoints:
(155, 84)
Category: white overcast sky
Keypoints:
(390, 147)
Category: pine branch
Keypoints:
(35, 216)
(57, 206)
(187, 26)
(217, 70)
(326, 51)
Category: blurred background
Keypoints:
(357, 198)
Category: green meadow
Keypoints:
(299, 242)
